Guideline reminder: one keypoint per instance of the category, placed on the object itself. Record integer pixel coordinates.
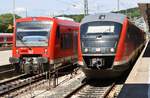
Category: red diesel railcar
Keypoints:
(108, 45)
(42, 42)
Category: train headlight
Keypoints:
(45, 51)
(82, 44)
(112, 50)
(86, 50)
(80, 63)
(17, 51)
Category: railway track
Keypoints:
(94, 89)
(18, 82)
(25, 81)
(6, 72)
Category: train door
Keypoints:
(57, 43)
(75, 42)
(66, 42)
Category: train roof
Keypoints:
(115, 17)
(59, 21)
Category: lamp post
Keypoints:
(85, 7)
(14, 17)
(118, 4)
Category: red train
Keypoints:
(42, 42)
(108, 44)
(5, 39)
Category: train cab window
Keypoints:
(33, 33)
(1, 38)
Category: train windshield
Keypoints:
(35, 33)
(101, 27)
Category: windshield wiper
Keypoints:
(19, 37)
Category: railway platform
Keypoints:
(4, 57)
(137, 84)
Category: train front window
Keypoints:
(34, 33)
(101, 27)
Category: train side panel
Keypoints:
(65, 49)
(130, 47)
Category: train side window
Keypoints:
(5, 39)
(66, 41)
(75, 41)
(9, 38)
(62, 40)
(58, 32)
(1, 38)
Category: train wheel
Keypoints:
(17, 68)
(46, 66)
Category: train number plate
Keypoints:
(94, 60)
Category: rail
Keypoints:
(89, 91)
(11, 85)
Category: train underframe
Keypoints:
(30, 64)
(103, 67)
(112, 72)
(36, 64)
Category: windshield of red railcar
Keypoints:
(34, 33)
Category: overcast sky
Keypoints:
(57, 7)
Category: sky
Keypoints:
(58, 7)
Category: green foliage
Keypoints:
(131, 13)
(5, 21)
(77, 18)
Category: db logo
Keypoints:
(30, 51)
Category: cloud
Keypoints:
(20, 9)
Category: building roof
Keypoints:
(145, 11)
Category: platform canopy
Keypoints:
(145, 11)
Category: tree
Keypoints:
(6, 20)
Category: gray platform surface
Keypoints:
(137, 84)
(4, 57)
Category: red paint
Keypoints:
(79, 49)
(6, 38)
(121, 44)
(54, 50)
